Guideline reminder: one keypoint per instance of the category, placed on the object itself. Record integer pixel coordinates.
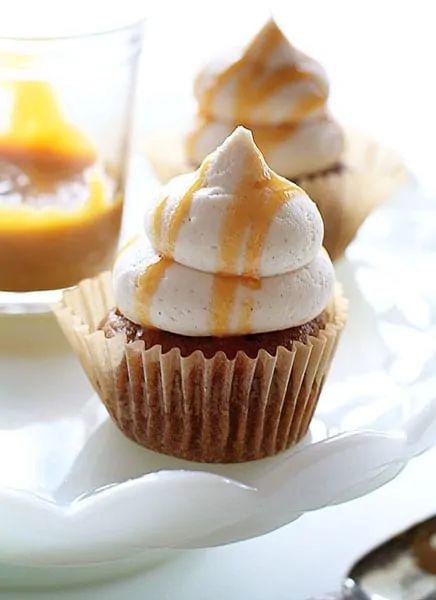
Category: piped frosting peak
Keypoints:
(235, 216)
(270, 82)
(229, 249)
(279, 93)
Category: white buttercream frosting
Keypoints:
(270, 84)
(231, 248)
(295, 230)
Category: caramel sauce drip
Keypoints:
(267, 138)
(244, 229)
(247, 222)
(307, 104)
(157, 221)
(147, 286)
(249, 218)
(151, 278)
(38, 137)
(224, 292)
(179, 215)
(256, 82)
(225, 289)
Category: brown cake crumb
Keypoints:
(116, 323)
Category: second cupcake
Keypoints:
(281, 94)
(214, 338)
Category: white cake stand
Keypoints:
(78, 501)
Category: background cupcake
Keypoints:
(281, 95)
(226, 315)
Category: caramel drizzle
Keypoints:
(244, 229)
(149, 281)
(157, 221)
(268, 137)
(256, 82)
(224, 291)
(147, 286)
(247, 221)
(179, 215)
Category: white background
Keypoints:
(380, 56)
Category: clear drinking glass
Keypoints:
(65, 117)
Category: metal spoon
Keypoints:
(403, 568)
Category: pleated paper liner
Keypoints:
(372, 172)
(203, 409)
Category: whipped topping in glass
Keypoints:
(230, 249)
(280, 94)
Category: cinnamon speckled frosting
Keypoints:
(230, 249)
(276, 91)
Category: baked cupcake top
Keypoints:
(229, 249)
(279, 93)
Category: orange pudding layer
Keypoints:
(59, 221)
(53, 247)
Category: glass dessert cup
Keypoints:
(63, 160)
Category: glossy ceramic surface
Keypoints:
(74, 491)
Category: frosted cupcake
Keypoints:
(281, 94)
(214, 338)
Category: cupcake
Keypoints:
(281, 94)
(213, 337)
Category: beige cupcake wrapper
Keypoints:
(204, 409)
(344, 199)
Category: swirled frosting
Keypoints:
(229, 249)
(276, 91)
